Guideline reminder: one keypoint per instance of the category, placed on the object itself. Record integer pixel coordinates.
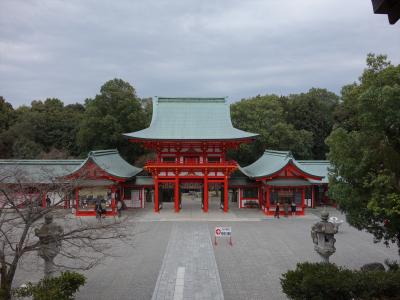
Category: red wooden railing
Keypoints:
(168, 164)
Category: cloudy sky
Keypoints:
(69, 48)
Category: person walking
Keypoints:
(293, 208)
(103, 206)
(119, 208)
(97, 208)
(276, 215)
(48, 201)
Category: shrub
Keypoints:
(316, 281)
(377, 285)
(62, 287)
(323, 281)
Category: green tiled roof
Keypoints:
(190, 119)
(271, 162)
(317, 167)
(35, 171)
(47, 171)
(111, 162)
(288, 182)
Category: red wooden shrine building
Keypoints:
(191, 137)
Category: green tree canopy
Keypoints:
(7, 115)
(49, 125)
(266, 115)
(313, 111)
(365, 151)
(41, 128)
(116, 110)
(7, 118)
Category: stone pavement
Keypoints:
(191, 211)
(263, 251)
(263, 248)
(189, 269)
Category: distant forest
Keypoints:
(49, 129)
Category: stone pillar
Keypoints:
(322, 234)
(49, 235)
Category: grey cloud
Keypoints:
(68, 49)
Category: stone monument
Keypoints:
(322, 234)
(49, 235)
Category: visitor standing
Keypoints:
(103, 206)
(48, 201)
(119, 208)
(293, 208)
(276, 215)
(97, 208)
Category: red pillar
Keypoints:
(302, 200)
(205, 193)
(156, 207)
(268, 200)
(325, 197)
(176, 195)
(66, 201)
(226, 193)
(44, 200)
(312, 196)
(142, 198)
(241, 198)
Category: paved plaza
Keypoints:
(172, 255)
(189, 253)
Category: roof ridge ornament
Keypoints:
(192, 99)
(103, 152)
(286, 153)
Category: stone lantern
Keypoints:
(49, 235)
(322, 234)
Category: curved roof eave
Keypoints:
(281, 169)
(278, 160)
(137, 137)
(188, 118)
(115, 174)
(94, 158)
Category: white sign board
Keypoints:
(223, 231)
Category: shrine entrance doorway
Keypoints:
(215, 195)
(191, 196)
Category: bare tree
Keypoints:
(85, 242)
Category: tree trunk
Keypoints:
(5, 286)
(6, 280)
(5, 291)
